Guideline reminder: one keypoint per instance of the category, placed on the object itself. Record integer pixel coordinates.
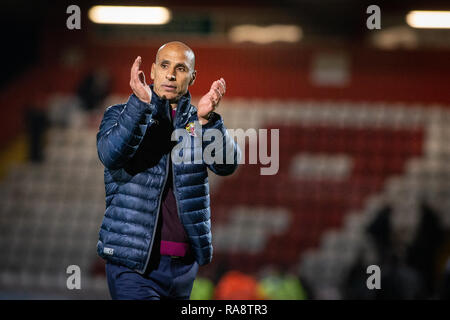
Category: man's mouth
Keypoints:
(169, 88)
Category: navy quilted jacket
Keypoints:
(134, 143)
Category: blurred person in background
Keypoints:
(157, 229)
(37, 122)
(94, 88)
(398, 279)
(405, 276)
(423, 253)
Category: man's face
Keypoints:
(173, 72)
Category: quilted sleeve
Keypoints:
(121, 131)
(229, 146)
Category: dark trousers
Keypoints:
(166, 278)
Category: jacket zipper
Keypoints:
(173, 175)
(175, 194)
(157, 212)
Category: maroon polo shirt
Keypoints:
(174, 240)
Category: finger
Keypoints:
(135, 69)
(135, 66)
(218, 93)
(221, 88)
(212, 90)
(220, 84)
(215, 91)
(215, 84)
(212, 87)
(223, 84)
(217, 87)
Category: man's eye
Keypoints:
(181, 69)
(163, 66)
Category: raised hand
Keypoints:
(137, 82)
(209, 102)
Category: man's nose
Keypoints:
(170, 76)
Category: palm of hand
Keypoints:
(209, 102)
(137, 82)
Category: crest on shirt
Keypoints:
(190, 128)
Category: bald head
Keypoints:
(179, 47)
(173, 70)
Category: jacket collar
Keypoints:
(184, 108)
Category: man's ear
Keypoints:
(152, 72)
(194, 75)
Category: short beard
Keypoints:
(173, 100)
